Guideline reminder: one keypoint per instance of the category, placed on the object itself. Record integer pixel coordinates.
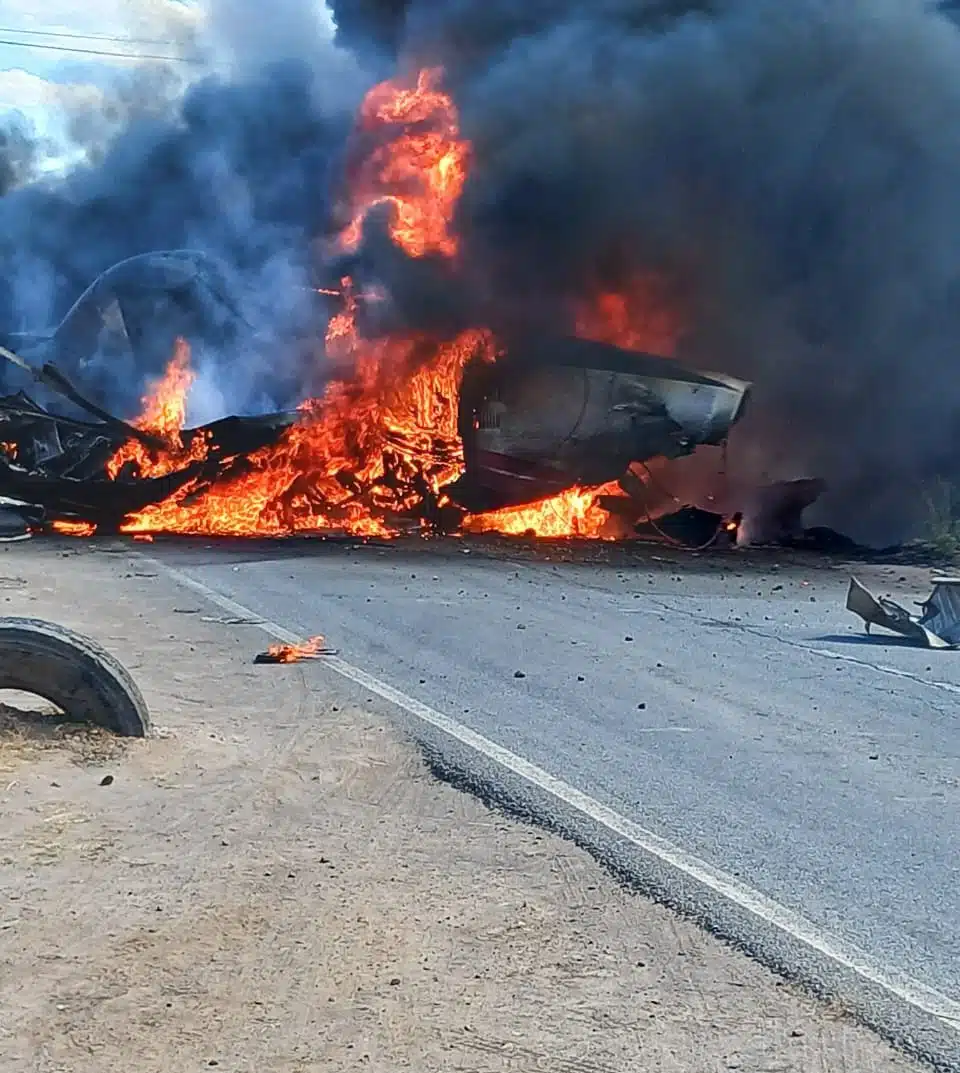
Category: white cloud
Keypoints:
(47, 106)
(119, 18)
(33, 95)
(51, 87)
(63, 90)
(160, 27)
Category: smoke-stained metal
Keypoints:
(552, 413)
(937, 626)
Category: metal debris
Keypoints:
(552, 413)
(938, 625)
(54, 447)
(773, 513)
(58, 463)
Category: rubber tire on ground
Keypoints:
(73, 672)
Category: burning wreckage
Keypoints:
(532, 421)
(480, 431)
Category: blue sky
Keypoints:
(40, 83)
(44, 83)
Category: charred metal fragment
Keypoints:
(59, 463)
(938, 625)
(50, 375)
(127, 320)
(103, 502)
(689, 527)
(242, 435)
(549, 414)
(773, 513)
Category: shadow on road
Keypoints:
(869, 639)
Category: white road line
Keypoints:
(797, 927)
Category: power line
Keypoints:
(83, 37)
(99, 52)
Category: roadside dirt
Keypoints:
(275, 884)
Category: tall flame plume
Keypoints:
(381, 438)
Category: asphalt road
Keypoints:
(734, 710)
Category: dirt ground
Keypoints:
(274, 883)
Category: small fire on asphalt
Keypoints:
(294, 653)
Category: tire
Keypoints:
(74, 673)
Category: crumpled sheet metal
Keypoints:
(938, 626)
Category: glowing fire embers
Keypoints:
(293, 653)
(73, 529)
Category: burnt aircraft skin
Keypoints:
(550, 414)
(131, 315)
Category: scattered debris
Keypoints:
(689, 527)
(551, 416)
(61, 466)
(14, 525)
(289, 653)
(938, 626)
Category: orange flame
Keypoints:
(573, 513)
(164, 413)
(287, 653)
(419, 174)
(637, 318)
(374, 443)
(641, 317)
(75, 529)
(384, 437)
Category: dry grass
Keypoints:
(28, 734)
(942, 528)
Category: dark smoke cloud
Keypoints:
(792, 167)
(238, 167)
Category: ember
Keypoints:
(75, 529)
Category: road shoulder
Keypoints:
(275, 882)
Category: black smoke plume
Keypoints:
(238, 167)
(789, 168)
(792, 167)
